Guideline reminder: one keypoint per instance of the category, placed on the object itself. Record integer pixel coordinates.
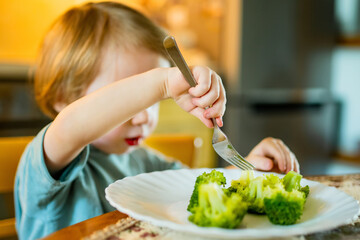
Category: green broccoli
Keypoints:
(255, 196)
(282, 200)
(241, 185)
(217, 209)
(272, 180)
(305, 190)
(278, 194)
(251, 190)
(283, 207)
(292, 180)
(284, 203)
(214, 176)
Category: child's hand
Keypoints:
(209, 91)
(271, 154)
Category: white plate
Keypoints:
(161, 198)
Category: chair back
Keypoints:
(11, 149)
(178, 146)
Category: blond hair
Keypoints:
(71, 53)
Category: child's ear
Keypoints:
(59, 106)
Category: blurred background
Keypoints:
(291, 69)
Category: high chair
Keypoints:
(177, 146)
(11, 149)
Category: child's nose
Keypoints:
(140, 118)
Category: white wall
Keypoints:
(346, 86)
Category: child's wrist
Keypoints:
(161, 76)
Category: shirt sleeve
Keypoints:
(35, 184)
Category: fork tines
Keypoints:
(244, 165)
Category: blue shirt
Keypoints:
(44, 204)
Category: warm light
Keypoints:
(23, 24)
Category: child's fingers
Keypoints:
(270, 148)
(275, 149)
(295, 162)
(211, 96)
(216, 110)
(203, 77)
(199, 113)
(284, 162)
(219, 121)
(261, 162)
(291, 161)
(185, 102)
(218, 107)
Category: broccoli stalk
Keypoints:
(255, 196)
(217, 209)
(214, 176)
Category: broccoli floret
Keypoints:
(282, 200)
(305, 190)
(284, 203)
(241, 185)
(251, 190)
(214, 176)
(245, 178)
(253, 193)
(217, 209)
(283, 207)
(272, 180)
(292, 180)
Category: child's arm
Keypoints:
(272, 154)
(90, 117)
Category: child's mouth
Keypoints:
(132, 141)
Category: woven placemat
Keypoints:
(350, 184)
(130, 228)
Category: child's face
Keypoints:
(118, 65)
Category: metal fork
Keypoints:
(220, 142)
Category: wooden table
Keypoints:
(86, 228)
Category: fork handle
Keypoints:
(175, 54)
